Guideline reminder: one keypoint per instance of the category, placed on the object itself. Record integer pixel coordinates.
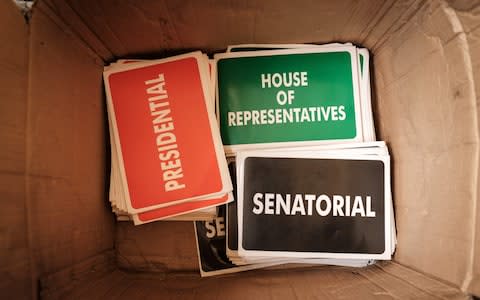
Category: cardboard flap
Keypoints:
(391, 281)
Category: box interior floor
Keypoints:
(58, 238)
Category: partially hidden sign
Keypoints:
(285, 97)
(314, 207)
(163, 122)
(211, 247)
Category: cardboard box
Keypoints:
(58, 238)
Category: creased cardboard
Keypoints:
(429, 138)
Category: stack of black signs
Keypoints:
(311, 184)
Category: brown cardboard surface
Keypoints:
(156, 247)
(388, 281)
(72, 22)
(85, 275)
(389, 20)
(468, 13)
(171, 25)
(15, 268)
(68, 217)
(426, 111)
(15, 265)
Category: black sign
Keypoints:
(314, 205)
(212, 243)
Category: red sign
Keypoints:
(164, 132)
(177, 209)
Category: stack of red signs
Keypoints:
(167, 155)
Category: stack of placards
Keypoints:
(313, 186)
(303, 95)
(330, 202)
(167, 158)
(217, 245)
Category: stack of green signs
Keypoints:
(272, 96)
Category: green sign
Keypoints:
(288, 96)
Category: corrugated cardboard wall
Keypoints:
(213, 25)
(468, 13)
(66, 149)
(427, 112)
(165, 247)
(383, 281)
(53, 154)
(14, 246)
